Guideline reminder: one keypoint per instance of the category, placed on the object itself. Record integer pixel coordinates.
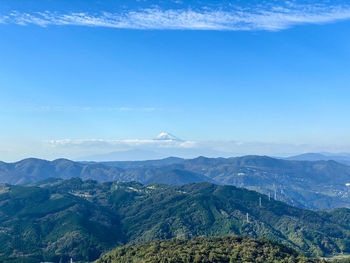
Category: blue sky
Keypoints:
(230, 76)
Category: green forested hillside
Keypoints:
(226, 249)
(210, 210)
(44, 224)
(59, 219)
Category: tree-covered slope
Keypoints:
(225, 249)
(210, 210)
(59, 219)
(38, 224)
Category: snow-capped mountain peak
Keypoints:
(164, 136)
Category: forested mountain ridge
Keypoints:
(306, 184)
(59, 219)
(33, 170)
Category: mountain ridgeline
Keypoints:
(306, 184)
(55, 220)
(340, 158)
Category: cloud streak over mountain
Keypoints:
(121, 143)
(270, 18)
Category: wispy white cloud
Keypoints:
(91, 109)
(269, 18)
(192, 148)
(78, 148)
(119, 144)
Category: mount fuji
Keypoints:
(164, 136)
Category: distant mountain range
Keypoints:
(306, 184)
(341, 158)
(34, 170)
(56, 220)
